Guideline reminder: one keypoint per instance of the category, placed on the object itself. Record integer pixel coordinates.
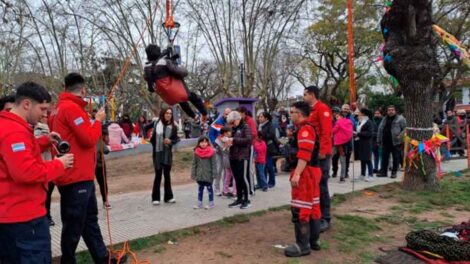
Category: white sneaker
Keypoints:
(172, 200)
(156, 202)
(218, 193)
(369, 179)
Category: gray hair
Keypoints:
(234, 115)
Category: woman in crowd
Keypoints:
(116, 135)
(269, 135)
(164, 136)
(239, 157)
(127, 125)
(139, 127)
(342, 134)
(363, 143)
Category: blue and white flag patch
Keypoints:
(17, 147)
(78, 121)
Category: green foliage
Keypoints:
(326, 45)
(379, 100)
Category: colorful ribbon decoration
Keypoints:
(430, 147)
(454, 45)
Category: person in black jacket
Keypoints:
(376, 149)
(269, 134)
(239, 157)
(164, 136)
(363, 143)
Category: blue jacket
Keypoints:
(214, 131)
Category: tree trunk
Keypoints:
(410, 56)
(418, 109)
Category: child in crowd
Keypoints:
(260, 161)
(204, 170)
(342, 134)
(223, 150)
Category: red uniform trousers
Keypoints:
(305, 203)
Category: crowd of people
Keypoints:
(235, 156)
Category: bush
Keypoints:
(378, 100)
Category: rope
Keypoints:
(125, 251)
(128, 60)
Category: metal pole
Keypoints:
(242, 78)
(467, 140)
(352, 78)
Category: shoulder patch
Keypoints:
(326, 114)
(304, 134)
(17, 147)
(78, 121)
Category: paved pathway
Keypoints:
(133, 216)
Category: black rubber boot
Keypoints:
(314, 234)
(324, 225)
(302, 237)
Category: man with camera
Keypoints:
(79, 211)
(165, 77)
(24, 177)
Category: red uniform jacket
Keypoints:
(71, 121)
(321, 118)
(305, 142)
(23, 174)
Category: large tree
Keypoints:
(410, 56)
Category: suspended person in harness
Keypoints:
(165, 77)
(305, 180)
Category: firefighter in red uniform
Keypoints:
(321, 118)
(305, 181)
(24, 177)
(78, 206)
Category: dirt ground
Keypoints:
(254, 241)
(136, 173)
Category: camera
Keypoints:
(63, 147)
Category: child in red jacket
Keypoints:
(260, 162)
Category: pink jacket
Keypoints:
(260, 149)
(342, 131)
(116, 135)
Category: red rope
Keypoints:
(126, 248)
(129, 58)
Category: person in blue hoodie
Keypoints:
(219, 123)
